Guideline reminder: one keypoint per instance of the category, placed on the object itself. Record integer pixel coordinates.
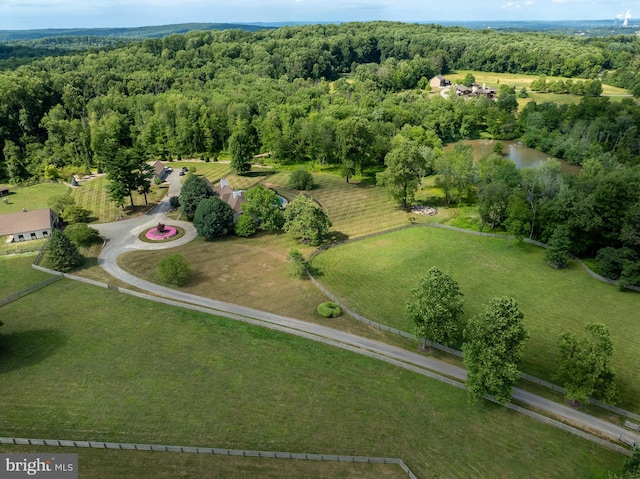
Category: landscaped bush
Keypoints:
(329, 310)
(174, 201)
(174, 269)
(301, 179)
(82, 234)
(246, 226)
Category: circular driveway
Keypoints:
(121, 236)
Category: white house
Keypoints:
(28, 225)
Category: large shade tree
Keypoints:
(494, 343)
(435, 307)
(407, 164)
(305, 220)
(213, 218)
(584, 363)
(263, 204)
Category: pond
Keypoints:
(521, 155)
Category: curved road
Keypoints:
(122, 236)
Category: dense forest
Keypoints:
(340, 95)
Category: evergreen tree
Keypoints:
(194, 189)
(61, 253)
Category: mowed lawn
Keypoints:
(518, 80)
(92, 195)
(375, 278)
(30, 197)
(84, 363)
(16, 274)
(108, 463)
(355, 208)
(215, 171)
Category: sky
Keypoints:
(36, 14)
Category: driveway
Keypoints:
(122, 236)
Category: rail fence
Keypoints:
(208, 450)
(622, 412)
(30, 289)
(455, 352)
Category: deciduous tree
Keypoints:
(584, 363)
(174, 269)
(213, 218)
(494, 343)
(435, 307)
(241, 146)
(263, 204)
(305, 220)
(406, 165)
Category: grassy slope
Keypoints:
(17, 274)
(375, 277)
(135, 371)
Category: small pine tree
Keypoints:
(61, 253)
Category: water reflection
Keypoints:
(521, 155)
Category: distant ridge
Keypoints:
(124, 33)
(588, 27)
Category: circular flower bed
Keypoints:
(161, 232)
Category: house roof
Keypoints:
(26, 221)
(233, 198)
(4, 188)
(158, 168)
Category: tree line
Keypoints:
(353, 97)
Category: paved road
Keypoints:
(122, 236)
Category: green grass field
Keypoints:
(31, 197)
(375, 277)
(107, 464)
(355, 209)
(520, 80)
(129, 370)
(92, 195)
(17, 274)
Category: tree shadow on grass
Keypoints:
(336, 237)
(259, 174)
(25, 348)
